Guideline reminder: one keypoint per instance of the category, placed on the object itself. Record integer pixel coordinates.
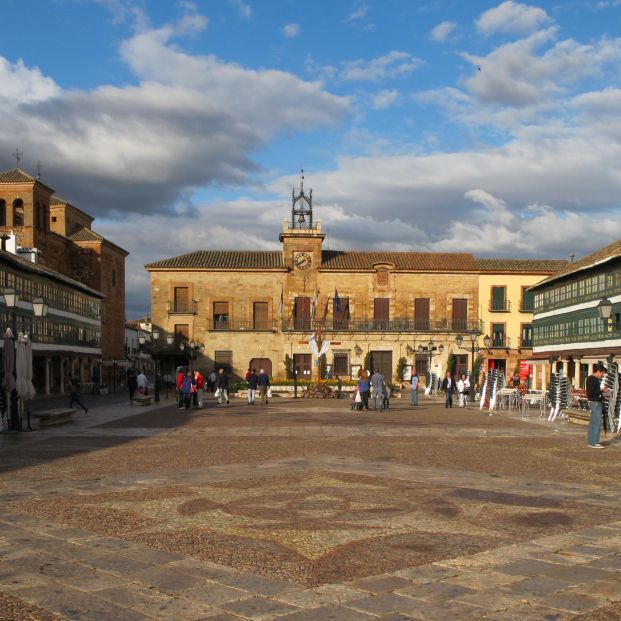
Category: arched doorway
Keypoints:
(261, 363)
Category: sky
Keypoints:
(431, 125)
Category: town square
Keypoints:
(310, 311)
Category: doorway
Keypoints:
(303, 363)
(261, 363)
(382, 360)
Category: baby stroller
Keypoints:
(356, 400)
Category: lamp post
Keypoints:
(429, 350)
(155, 350)
(11, 298)
(193, 348)
(459, 339)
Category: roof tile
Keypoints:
(223, 259)
(545, 266)
(15, 175)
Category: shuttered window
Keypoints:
(260, 315)
(341, 313)
(220, 315)
(341, 364)
(182, 333)
(460, 314)
(381, 312)
(421, 314)
(182, 297)
(224, 360)
(302, 313)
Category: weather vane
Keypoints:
(18, 156)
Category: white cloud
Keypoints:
(385, 98)
(359, 12)
(393, 65)
(189, 122)
(245, 10)
(290, 31)
(512, 18)
(442, 31)
(23, 85)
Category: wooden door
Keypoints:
(340, 314)
(382, 360)
(421, 314)
(460, 314)
(381, 313)
(260, 315)
(261, 363)
(301, 313)
(303, 363)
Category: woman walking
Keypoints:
(364, 387)
(414, 388)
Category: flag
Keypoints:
(314, 303)
(337, 302)
(281, 308)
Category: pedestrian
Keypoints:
(222, 386)
(463, 389)
(74, 394)
(253, 382)
(212, 381)
(264, 386)
(595, 393)
(378, 383)
(199, 382)
(143, 383)
(414, 388)
(132, 384)
(448, 386)
(186, 391)
(364, 388)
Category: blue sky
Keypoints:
(489, 127)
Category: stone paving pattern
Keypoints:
(307, 510)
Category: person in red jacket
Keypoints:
(199, 382)
(180, 377)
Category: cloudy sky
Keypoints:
(430, 125)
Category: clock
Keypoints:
(302, 260)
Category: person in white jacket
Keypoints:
(463, 388)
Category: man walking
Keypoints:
(414, 388)
(448, 386)
(74, 395)
(253, 382)
(595, 395)
(212, 381)
(222, 384)
(377, 383)
(264, 384)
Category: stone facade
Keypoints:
(260, 307)
(65, 242)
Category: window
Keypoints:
(18, 212)
(181, 299)
(421, 313)
(224, 360)
(260, 316)
(341, 364)
(381, 313)
(421, 364)
(528, 300)
(460, 314)
(182, 333)
(53, 218)
(2, 213)
(220, 315)
(527, 335)
(499, 299)
(498, 335)
(340, 315)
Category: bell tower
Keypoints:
(301, 236)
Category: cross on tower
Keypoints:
(39, 167)
(18, 156)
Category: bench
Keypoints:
(143, 400)
(577, 416)
(47, 418)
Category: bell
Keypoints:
(301, 217)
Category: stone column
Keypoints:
(62, 375)
(46, 362)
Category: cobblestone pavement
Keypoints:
(307, 510)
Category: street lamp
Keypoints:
(604, 308)
(11, 298)
(155, 349)
(459, 339)
(193, 348)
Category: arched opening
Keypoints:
(261, 363)
(2, 212)
(18, 212)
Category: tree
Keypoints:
(368, 362)
(323, 366)
(451, 362)
(288, 367)
(401, 364)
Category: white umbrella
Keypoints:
(23, 369)
(8, 360)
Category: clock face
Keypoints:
(302, 260)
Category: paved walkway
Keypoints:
(169, 539)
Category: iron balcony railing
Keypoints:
(244, 325)
(500, 341)
(382, 325)
(526, 343)
(500, 306)
(575, 335)
(181, 308)
(527, 306)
